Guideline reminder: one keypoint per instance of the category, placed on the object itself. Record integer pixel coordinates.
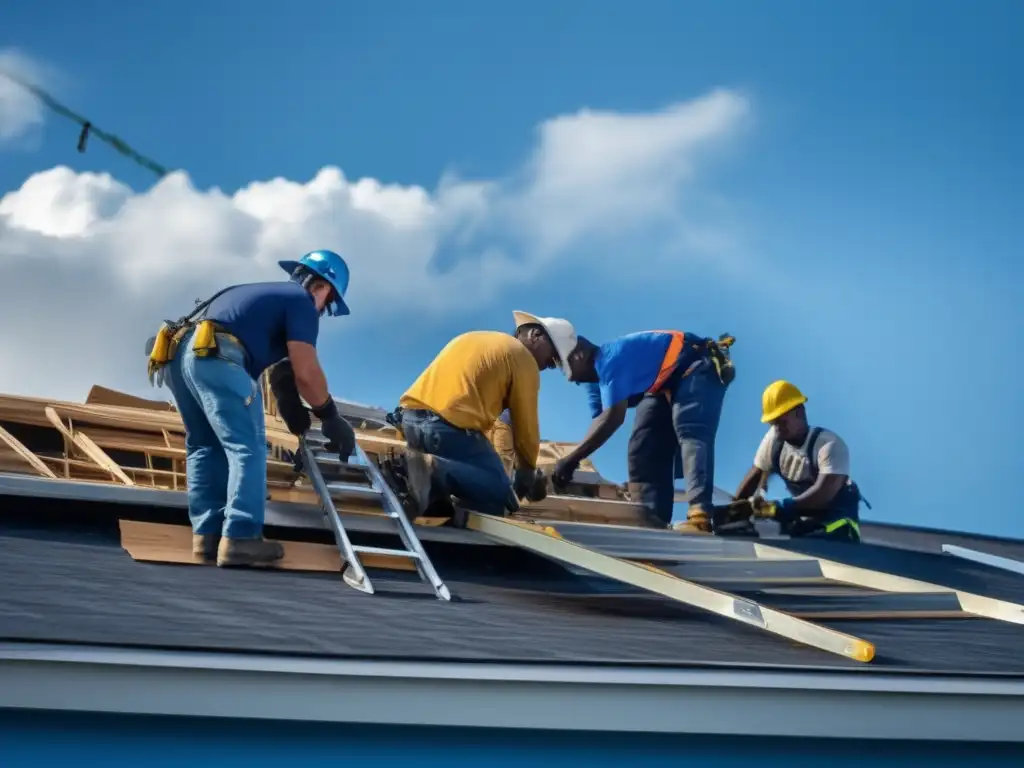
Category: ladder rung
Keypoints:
(353, 488)
(333, 459)
(382, 551)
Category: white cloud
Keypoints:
(20, 111)
(88, 267)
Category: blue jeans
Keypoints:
(225, 439)
(662, 429)
(466, 464)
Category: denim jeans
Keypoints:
(662, 429)
(466, 464)
(225, 439)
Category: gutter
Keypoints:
(518, 696)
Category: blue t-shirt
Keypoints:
(627, 367)
(265, 317)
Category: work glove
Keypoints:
(780, 510)
(341, 438)
(529, 484)
(289, 404)
(562, 474)
(735, 511)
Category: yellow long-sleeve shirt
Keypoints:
(474, 378)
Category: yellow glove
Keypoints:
(762, 507)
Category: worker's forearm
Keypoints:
(820, 495)
(749, 484)
(312, 385)
(525, 462)
(601, 430)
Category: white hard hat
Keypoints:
(561, 332)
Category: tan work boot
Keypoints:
(697, 521)
(248, 552)
(204, 545)
(419, 469)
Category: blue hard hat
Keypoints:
(332, 268)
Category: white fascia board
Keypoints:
(523, 696)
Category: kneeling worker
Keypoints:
(449, 411)
(677, 383)
(815, 465)
(211, 361)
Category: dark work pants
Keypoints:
(688, 423)
(467, 466)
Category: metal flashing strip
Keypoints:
(547, 542)
(987, 607)
(519, 696)
(995, 561)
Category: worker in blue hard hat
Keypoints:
(813, 462)
(211, 361)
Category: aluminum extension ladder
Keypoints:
(314, 456)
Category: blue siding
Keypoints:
(43, 738)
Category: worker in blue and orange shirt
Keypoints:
(677, 383)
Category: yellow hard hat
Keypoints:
(779, 398)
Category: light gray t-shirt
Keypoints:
(794, 464)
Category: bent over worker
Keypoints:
(677, 383)
(449, 411)
(813, 462)
(211, 361)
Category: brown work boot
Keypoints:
(419, 473)
(204, 545)
(697, 521)
(243, 552)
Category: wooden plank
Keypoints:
(88, 447)
(140, 419)
(582, 509)
(988, 607)
(30, 458)
(100, 395)
(163, 543)
(548, 543)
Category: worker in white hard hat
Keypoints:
(448, 413)
(813, 462)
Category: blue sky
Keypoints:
(875, 190)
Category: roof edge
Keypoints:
(541, 696)
(940, 531)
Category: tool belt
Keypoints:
(162, 347)
(718, 352)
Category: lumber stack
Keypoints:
(114, 437)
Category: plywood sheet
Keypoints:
(162, 543)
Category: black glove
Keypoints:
(341, 438)
(562, 474)
(529, 484)
(289, 404)
(539, 492)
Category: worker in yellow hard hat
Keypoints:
(813, 462)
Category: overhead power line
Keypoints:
(87, 128)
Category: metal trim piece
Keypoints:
(995, 561)
(511, 695)
(533, 537)
(987, 607)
